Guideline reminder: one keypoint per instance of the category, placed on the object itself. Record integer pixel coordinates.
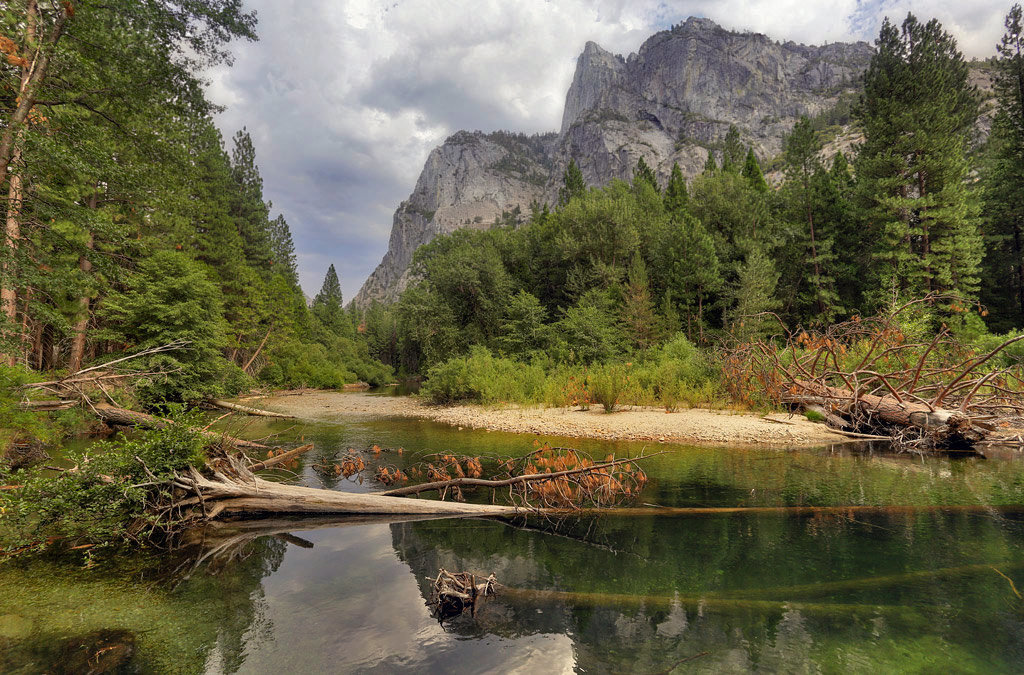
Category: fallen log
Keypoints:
(46, 406)
(706, 602)
(244, 494)
(227, 405)
(282, 458)
(131, 418)
(947, 428)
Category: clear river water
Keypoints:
(925, 589)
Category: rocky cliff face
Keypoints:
(672, 101)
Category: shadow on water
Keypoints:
(927, 590)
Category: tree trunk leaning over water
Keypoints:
(130, 418)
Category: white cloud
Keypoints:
(345, 99)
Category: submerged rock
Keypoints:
(103, 651)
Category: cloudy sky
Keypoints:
(345, 98)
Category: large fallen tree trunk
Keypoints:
(234, 490)
(867, 376)
(227, 405)
(130, 418)
(948, 428)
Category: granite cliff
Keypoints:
(672, 101)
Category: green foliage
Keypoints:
(523, 331)
(589, 331)
(15, 423)
(484, 378)
(1003, 225)
(327, 305)
(752, 172)
(644, 173)
(733, 154)
(606, 384)
(105, 499)
(573, 185)
(917, 111)
(171, 298)
(676, 197)
(814, 416)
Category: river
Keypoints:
(913, 590)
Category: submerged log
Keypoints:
(130, 418)
(227, 405)
(282, 458)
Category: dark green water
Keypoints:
(898, 591)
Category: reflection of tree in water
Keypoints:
(744, 589)
(233, 577)
(158, 611)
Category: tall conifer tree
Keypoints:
(917, 111)
(1004, 208)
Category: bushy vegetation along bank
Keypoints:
(677, 374)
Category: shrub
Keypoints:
(105, 499)
(482, 377)
(607, 384)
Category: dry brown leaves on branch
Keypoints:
(921, 392)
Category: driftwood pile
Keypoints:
(452, 593)
(865, 377)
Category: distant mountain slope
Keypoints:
(670, 102)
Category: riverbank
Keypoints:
(693, 426)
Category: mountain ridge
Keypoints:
(671, 101)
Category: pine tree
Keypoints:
(638, 314)
(732, 150)
(676, 196)
(710, 167)
(283, 249)
(754, 295)
(801, 156)
(690, 267)
(752, 172)
(851, 247)
(1003, 291)
(327, 305)
(572, 184)
(917, 111)
(251, 213)
(644, 174)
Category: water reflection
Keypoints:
(867, 591)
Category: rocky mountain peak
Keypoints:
(671, 101)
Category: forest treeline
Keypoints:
(612, 272)
(129, 224)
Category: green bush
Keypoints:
(607, 383)
(15, 423)
(482, 377)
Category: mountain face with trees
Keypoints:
(671, 103)
(128, 224)
(609, 271)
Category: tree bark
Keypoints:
(249, 411)
(37, 73)
(938, 422)
(84, 302)
(130, 418)
(12, 225)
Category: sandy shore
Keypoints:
(697, 426)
